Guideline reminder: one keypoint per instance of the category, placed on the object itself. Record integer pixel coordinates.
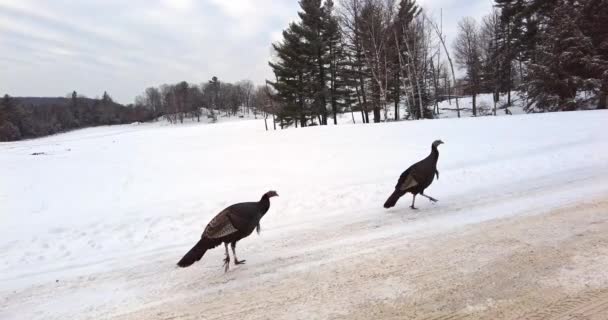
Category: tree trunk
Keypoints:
(474, 104)
(508, 65)
(496, 97)
(442, 40)
(360, 103)
(301, 103)
(397, 98)
(603, 97)
(334, 109)
(322, 89)
(446, 82)
(364, 96)
(334, 103)
(435, 85)
(376, 104)
(420, 101)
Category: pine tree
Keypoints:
(335, 57)
(291, 72)
(311, 30)
(509, 39)
(593, 17)
(310, 66)
(564, 58)
(76, 110)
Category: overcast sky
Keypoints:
(51, 47)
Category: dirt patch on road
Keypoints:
(551, 265)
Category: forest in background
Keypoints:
(367, 56)
(30, 117)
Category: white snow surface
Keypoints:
(447, 108)
(102, 204)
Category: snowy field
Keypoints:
(92, 227)
(447, 108)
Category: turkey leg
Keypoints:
(236, 261)
(227, 259)
(413, 200)
(429, 197)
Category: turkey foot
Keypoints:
(413, 208)
(226, 259)
(429, 197)
(236, 261)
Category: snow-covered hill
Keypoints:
(93, 225)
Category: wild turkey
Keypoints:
(417, 178)
(229, 226)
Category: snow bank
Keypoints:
(109, 198)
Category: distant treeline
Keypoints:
(184, 100)
(30, 117)
(22, 118)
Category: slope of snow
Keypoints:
(94, 225)
(447, 108)
(484, 103)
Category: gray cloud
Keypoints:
(49, 48)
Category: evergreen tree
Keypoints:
(592, 22)
(291, 73)
(339, 92)
(564, 58)
(311, 29)
(310, 66)
(508, 41)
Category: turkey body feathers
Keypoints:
(416, 178)
(229, 226)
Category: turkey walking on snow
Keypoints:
(417, 178)
(229, 226)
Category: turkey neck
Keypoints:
(434, 154)
(264, 204)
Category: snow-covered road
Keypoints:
(93, 227)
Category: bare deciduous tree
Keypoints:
(468, 55)
(376, 18)
(447, 53)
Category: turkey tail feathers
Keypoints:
(392, 200)
(195, 254)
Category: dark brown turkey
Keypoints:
(229, 226)
(417, 178)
